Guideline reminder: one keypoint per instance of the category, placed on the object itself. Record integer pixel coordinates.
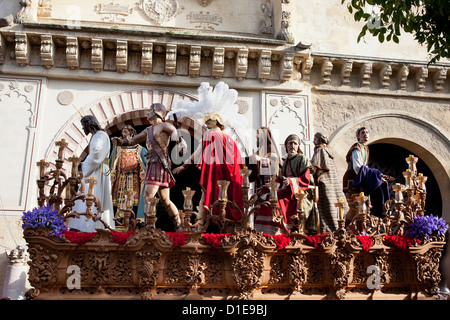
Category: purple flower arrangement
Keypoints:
(427, 226)
(45, 217)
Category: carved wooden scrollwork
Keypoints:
(43, 274)
(298, 272)
(427, 268)
(341, 267)
(147, 269)
(247, 265)
(195, 273)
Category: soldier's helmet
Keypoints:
(159, 109)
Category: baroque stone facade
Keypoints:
(296, 65)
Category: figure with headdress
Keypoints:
(95, 165)
(218, 155)
(128, 167)
(360, 178)
(266, 162)
(326, 178)
(159, 178)
(295, 177)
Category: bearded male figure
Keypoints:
(296, 175)
(218, 158)
(159, 178)
(128, 169)
(95, 165)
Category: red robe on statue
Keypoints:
(221, 160)
(299, 173)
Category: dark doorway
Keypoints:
(390, 159)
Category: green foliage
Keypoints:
(427, 20)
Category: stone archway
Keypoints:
(128, 106)
(422, 138)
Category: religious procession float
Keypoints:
(395, 256)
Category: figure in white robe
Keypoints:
(95, 166)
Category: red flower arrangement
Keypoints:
(213, 239)
(79, 237)
(315, 240)
(366, 242)
(402, 242)
(178, 239)
(282, 240)
(121, 237)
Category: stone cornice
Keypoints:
(378, 76)
(169, 54)
(172, 57)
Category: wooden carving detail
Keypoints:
(341, 267)
(298, 272)
(247, 265)
(44, 266)
(427, 266)
(148, 260)
(195, 273)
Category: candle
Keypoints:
(188, 194)
(91, 181)
(75, 161)
(362, 203)
(407, 174)
(300, 196)
(340, 206)
(68, 191)
(41, 165)
(421, 179)
(223, 187)
(398, 189)
(411, 160)
(62, 144)
(245, 173)
(152, 205)
(273, 186)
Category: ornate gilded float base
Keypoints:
(245, 265)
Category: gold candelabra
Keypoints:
(150, 211)
(72, 186)
(188, 212)
(125, 217)
(405, 210)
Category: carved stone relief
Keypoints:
(267, 18)
(47, 50)
(44, 9)
(160, 11)
(22, 49)
(72, 53)
(288, 108)
(113, 12)
(204, 20)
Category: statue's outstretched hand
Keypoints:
(116, 141)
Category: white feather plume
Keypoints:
(220, 100)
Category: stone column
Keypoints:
(14, 285)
